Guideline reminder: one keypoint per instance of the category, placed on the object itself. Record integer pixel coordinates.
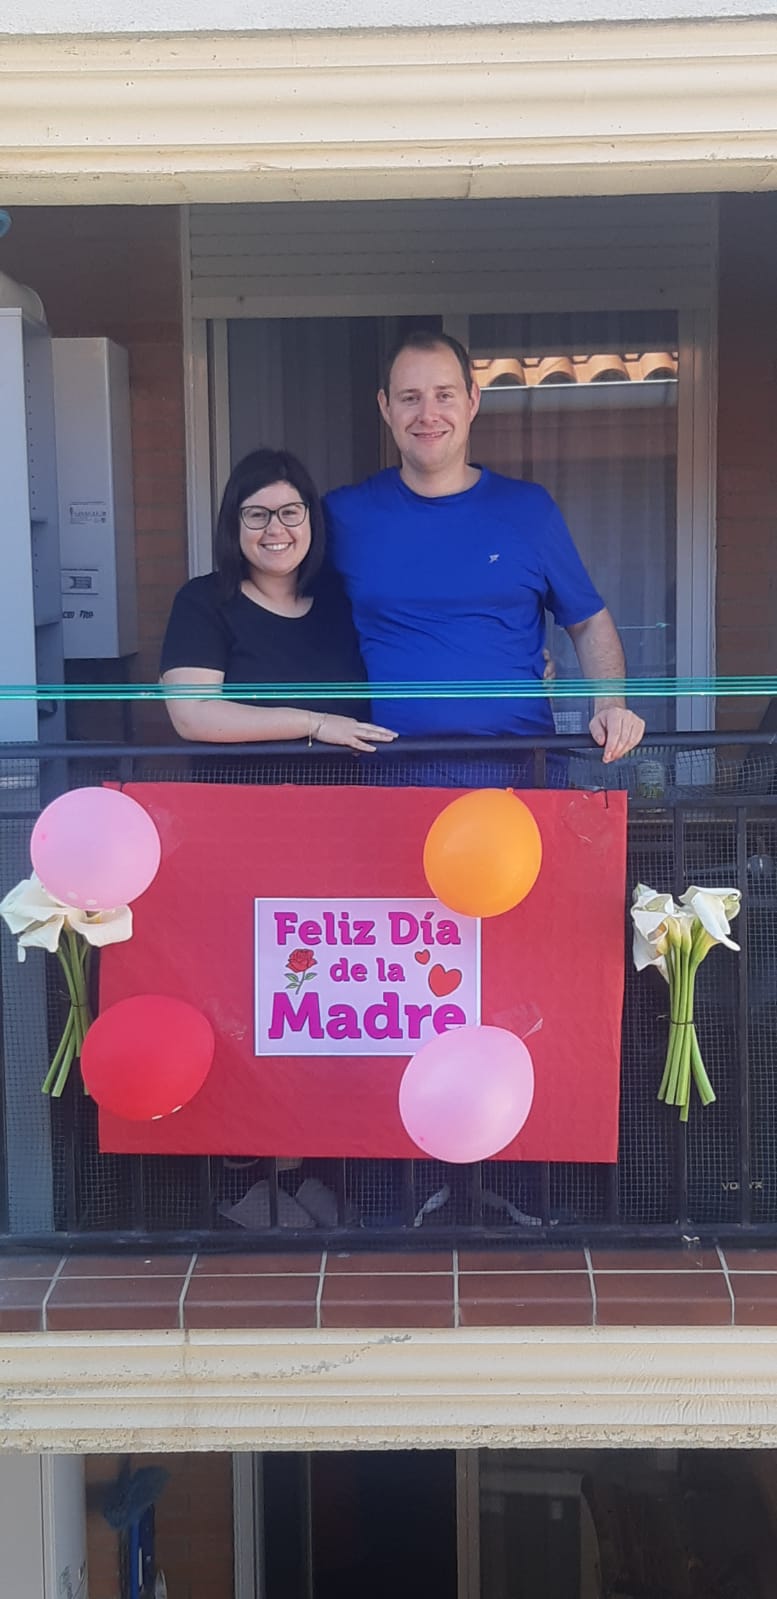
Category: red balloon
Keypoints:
(147, 1056)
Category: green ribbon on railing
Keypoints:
(566, 689)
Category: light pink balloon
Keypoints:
(95, 848)
(467, 1093)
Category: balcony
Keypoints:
(703, 809)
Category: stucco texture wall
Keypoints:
(190, 16)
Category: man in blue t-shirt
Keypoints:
(450, 568)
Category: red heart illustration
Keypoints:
(442, 982)
(422, 956)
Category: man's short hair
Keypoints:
(430, 339)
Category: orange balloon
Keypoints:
(483, 853)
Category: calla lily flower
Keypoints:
(40, 921)
(650, 941)
(715, 909)
(676, 939)
(656, 920)
(37, 919)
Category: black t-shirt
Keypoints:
(250, 644)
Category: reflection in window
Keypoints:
(586, 404)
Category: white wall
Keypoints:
(196, 16)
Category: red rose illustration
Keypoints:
(301, 960)
(299, 967)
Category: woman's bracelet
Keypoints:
(313, 731)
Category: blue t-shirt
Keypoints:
(454, 589)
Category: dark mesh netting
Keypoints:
(702, 816)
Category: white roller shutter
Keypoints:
(352, 258)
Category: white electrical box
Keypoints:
(30, 623)
(96, 511)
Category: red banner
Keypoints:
(299, 920)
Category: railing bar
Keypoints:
(743, 1022)
(67, 1132)
(540, 767)
(407, 1192)
(476, 1192)
(78, 749)
(668, 1235)
(138, 1191)
(611, 1204)
(272, 1190)
(205, 1190)
(545, 1193)
(340, 1190)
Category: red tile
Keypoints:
(416, 1261)
(114, 1304)
(26, 1266)
(751, 1259)
(255, 1265)
(525, 1299)
(385, 1299)
(655, 1260)
(125, 1265)
(755, 1298)
(258, 1301)
(662, 1299)
(21, 1304)
(522, 1260)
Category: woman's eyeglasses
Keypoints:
(257, 517)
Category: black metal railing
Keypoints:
(703, 809)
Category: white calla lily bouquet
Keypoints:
(675, 938)
(41, 922)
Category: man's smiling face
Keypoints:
(429, 409)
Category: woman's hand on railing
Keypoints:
(350, 734)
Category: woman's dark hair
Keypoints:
(257, 471)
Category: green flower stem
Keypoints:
(684, 1083)
(672, 956)
(704, 1087)
(77, 952)
(677, 1028)
(684, 1067)
(74, 958)
(64, 1070)
(64, 1042)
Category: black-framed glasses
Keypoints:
(257, 517)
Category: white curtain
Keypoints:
(601, 436)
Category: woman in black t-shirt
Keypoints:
(270, 613)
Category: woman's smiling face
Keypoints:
(278, 549)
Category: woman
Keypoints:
(270, 613)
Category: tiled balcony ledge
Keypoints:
(445, 1290)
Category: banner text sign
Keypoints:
(365, 975)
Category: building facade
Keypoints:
(250, 209)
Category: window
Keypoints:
(586, 405)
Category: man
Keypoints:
(450, 567)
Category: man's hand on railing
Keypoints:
(616, 728)
(600, 653)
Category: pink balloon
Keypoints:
(467, 1093)
(95, 848)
